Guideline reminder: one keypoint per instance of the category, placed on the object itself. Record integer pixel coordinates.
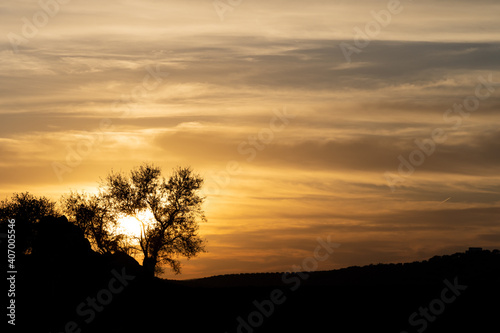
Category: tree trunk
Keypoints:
(149, 265)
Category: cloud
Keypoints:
(473, 154)
(322, 174)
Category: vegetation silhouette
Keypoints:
(175, 206)
(27, 210)
(67, 267)
(95, 216)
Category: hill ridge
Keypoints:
(430, 271)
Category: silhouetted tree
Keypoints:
(174, 204)
(27, 210)
(94, 215)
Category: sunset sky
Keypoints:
(298, 115)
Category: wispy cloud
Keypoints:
(323, 174)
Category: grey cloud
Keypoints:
(477, 155)
(308, 66)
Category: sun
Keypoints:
(131, 226)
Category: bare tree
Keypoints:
(175, 206)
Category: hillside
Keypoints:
(64, 286)
(467, 265)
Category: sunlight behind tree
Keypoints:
(131, 226)
(175, 205)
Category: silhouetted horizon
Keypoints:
(264, 301)
(235, 166)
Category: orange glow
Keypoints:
(131, 226)
(108, 85)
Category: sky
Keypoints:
(374, 124)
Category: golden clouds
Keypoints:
(321, 175)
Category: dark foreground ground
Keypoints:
(65, 287)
